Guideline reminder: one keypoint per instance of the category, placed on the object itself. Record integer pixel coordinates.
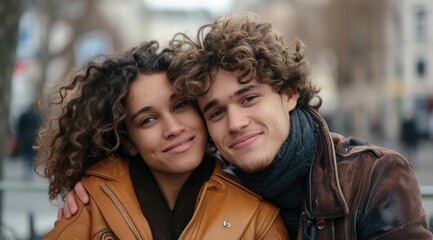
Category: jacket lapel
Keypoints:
(325, 198)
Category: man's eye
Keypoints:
(216, 114)
(248, 99)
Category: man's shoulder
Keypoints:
(357, 149)
(371, 178)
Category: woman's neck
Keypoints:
(170, 185)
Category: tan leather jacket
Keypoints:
(224, 210)
(360, 191)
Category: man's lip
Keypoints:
(243, 139)
(178, 143)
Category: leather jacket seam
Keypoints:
(121, 209)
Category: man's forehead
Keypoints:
(220, 92)
(231, 89)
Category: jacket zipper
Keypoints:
(122, 210)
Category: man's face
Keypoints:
(247, 122)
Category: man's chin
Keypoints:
(254, 168)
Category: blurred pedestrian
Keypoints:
(28, 125)
(409, 137)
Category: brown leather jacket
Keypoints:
(360, 191)
(224, 210)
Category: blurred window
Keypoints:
(421, 24)
(92, 44)
(420, 68)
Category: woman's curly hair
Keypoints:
(90, 124)
(246, 46)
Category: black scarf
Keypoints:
(284, 180)
(168, 224)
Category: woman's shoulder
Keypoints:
(224, 179)
(235, 207)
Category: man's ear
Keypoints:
(290, 99)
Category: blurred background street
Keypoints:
(373, 60)
(27, 212)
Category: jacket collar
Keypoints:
(324, 197)
(109, 169)
(109, 185)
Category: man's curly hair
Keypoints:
(247, 47)
(90, 124)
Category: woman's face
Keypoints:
(167, 131)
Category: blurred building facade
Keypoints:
(409, 69)
(372, 59)
(378, 57)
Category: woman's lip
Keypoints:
(180, 146)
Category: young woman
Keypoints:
(140, 152)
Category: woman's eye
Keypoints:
(147, 121)
(181, 105)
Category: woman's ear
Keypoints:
(130, 148)
(132, 151)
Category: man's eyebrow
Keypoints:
(142, 110)
(209, 105)
(237, 93)
(245, 89)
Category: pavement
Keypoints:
(27, 212)
(26, 205)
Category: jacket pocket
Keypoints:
(107, 234)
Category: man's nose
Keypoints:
(237, 119)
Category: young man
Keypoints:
(256, 97)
